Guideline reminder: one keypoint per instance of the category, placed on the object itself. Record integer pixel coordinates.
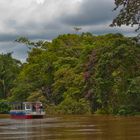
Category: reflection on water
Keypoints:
(71, 128)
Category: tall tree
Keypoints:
(129, 13)
(77, 29)
(9, 69)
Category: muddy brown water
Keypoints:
(71, 128)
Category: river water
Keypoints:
(71, 128)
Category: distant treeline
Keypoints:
(76, 74)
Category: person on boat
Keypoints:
(41, 108)
(34, 108)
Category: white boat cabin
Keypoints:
(28, 107)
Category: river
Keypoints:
(71, 128)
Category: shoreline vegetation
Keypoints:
(75, 74)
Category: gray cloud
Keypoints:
(90, 12)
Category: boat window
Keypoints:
(22, 106)
(27, 106)
(18, 107)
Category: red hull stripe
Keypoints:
(26, 116)
(21, 116)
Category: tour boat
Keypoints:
(27, 110)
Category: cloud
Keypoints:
(48, 18)
(90, 12)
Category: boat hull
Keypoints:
(24, 115)
(27, 116)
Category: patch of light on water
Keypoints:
(15, 133)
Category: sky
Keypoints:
(46, 19)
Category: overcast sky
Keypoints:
(45, 19)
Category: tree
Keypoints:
(9, 69)
(111, 65)
(77, 29)
(129, 13)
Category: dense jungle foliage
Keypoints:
(76, 74)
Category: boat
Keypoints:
(27, 110)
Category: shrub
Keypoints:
(72, 106)
(4, 106)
